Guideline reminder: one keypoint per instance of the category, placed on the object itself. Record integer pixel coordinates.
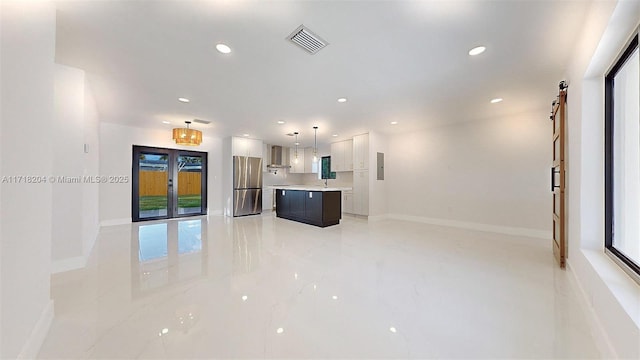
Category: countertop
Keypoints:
(309, 187)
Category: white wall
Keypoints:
(91, 161)
(491, 172)
(611, 296)
(67, 136)
(116, 145)
(378, 189)
(27, 81)
(75, 213)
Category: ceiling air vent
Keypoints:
(200, 121)
(307, 40)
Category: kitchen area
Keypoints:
(335, 176)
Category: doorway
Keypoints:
(168, 183)
(558, 175)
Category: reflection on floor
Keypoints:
(260, 286)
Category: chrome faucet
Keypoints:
(325, 182)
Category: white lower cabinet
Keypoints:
(347, 202)
(361, 192)
(267, 199)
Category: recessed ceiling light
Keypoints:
(392, 329)
(341, 100)
(496, 100)
(166, 122)
(394, 123)
(280, 122)
(335, 135)
(223, 48)
(477, 50)
(245, 135)
(184, 100)
(280, 330)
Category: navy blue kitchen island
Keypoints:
(315, 206)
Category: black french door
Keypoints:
(168, 183)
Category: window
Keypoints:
(326, 172)
(622, 160)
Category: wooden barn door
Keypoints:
(558, 175)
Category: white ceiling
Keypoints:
(402, 61)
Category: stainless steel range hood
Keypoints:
(279, 157)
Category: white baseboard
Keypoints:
(77, 262)
(88, 247)
(374, 218)
(356, 216)
(541, 234)
(68, 264)
(600, 336)
(112, 222)
(40, 330)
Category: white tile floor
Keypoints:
(266, 287)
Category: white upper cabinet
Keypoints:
(342, 155)
(348, 155)
(361, 152)
(266, 157)
(337, 156)
(247, 147)
(255, 148)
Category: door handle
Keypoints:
(553, 179)
(170, 182)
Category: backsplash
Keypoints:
(282, 177)
(343, 179)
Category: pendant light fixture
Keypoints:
(315, 144)
(296, 149)
(186, 136)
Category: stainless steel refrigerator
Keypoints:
(247, 185)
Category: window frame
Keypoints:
(627, 264)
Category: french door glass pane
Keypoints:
(153, 185)
(189, 184)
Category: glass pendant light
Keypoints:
(296, 149)
(315, 144)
